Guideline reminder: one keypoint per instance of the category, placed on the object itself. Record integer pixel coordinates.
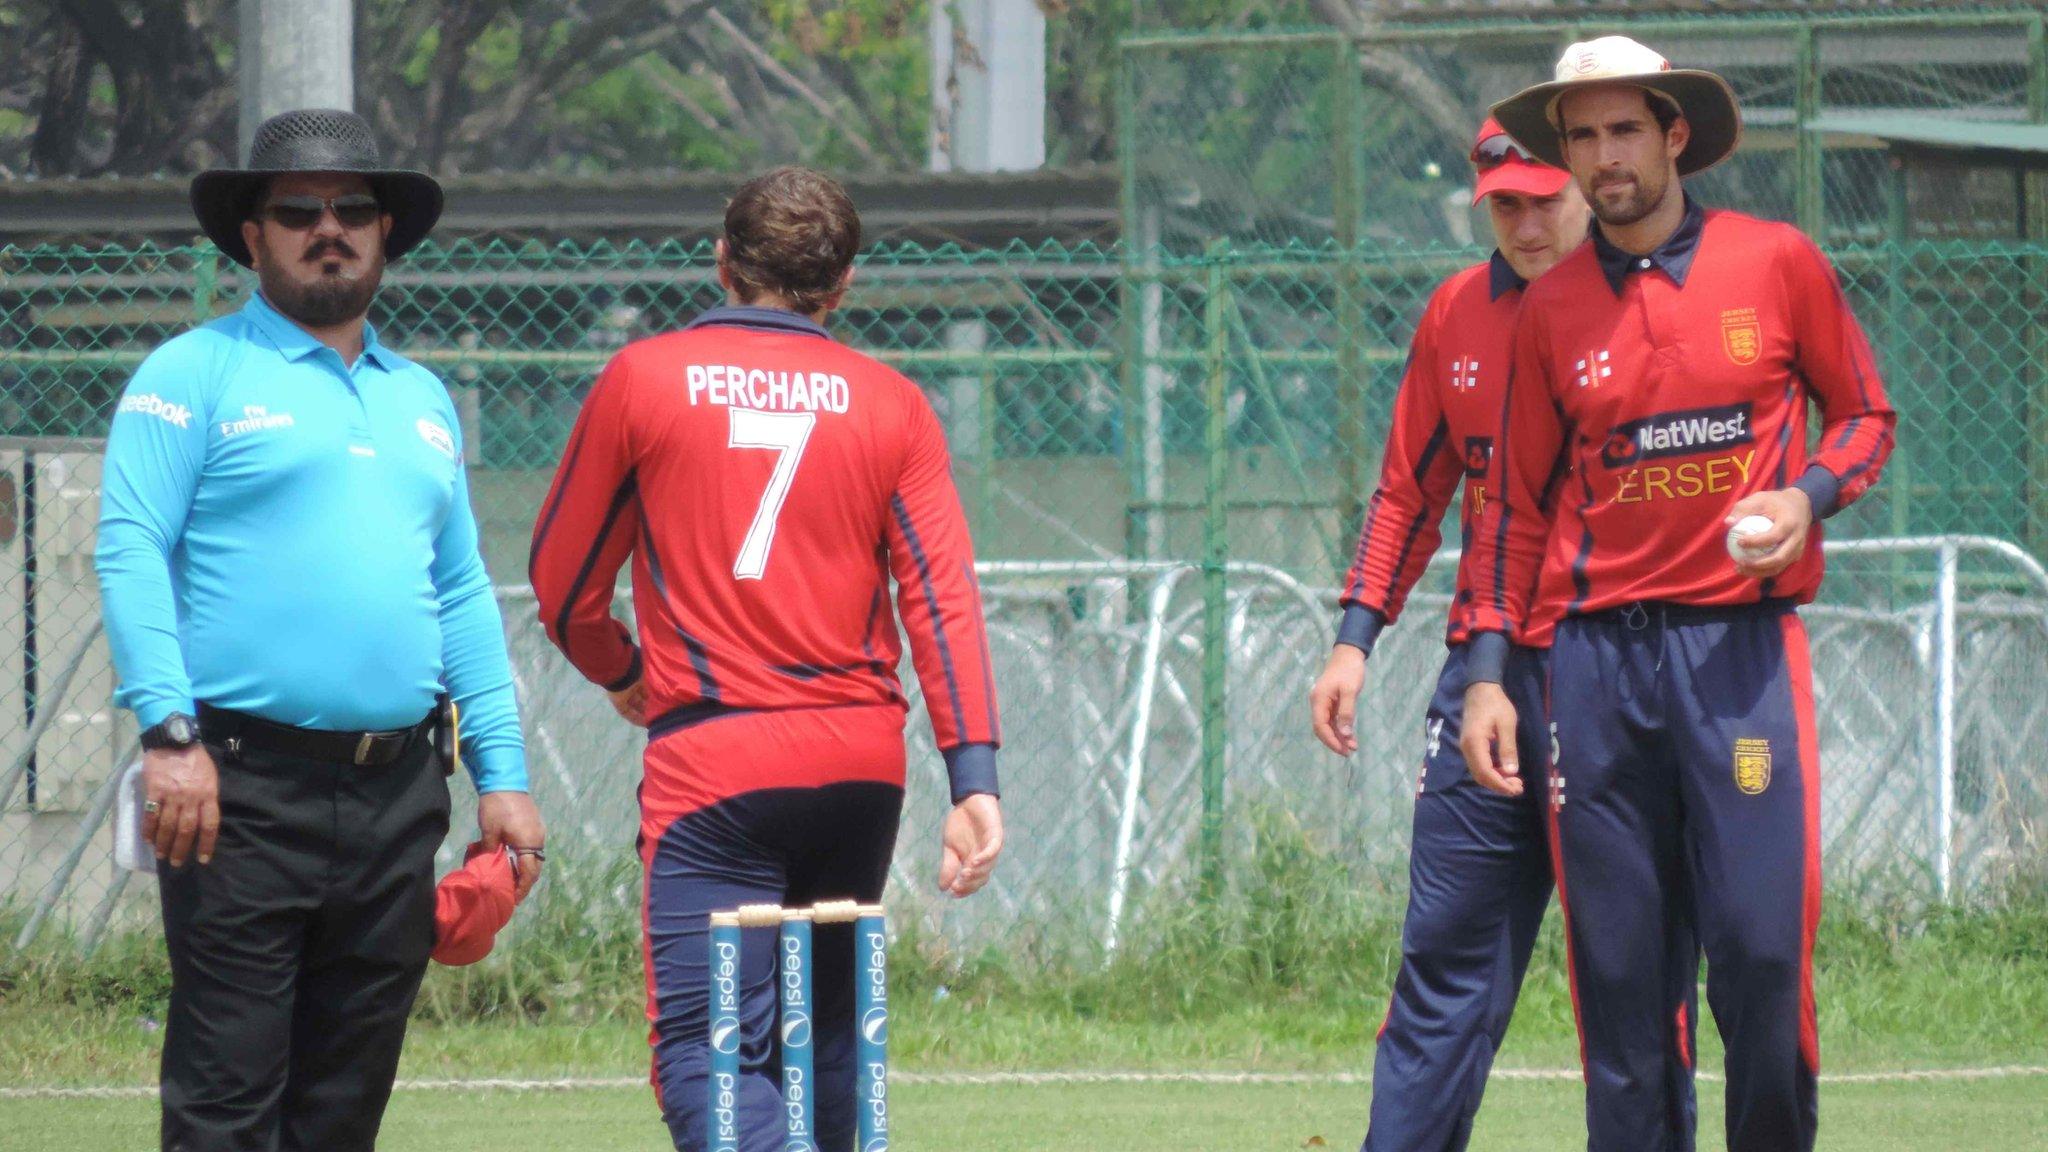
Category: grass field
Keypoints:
(1289, 977)
(1977, 1116)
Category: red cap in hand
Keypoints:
(471, 905)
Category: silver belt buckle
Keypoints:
(363, 746)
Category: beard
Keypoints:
(316, 297)
(1640, 201)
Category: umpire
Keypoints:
(291, 583)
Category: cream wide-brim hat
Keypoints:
(1703, 98)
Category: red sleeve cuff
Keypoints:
(630, 677)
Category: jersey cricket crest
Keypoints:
(1741, 336)
(1752, 766)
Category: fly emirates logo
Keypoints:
(730, 385)
(1721, 438)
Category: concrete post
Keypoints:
(294, 54)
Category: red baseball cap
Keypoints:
(1505, 166)
(472, 904)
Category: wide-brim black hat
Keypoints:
(313, 140)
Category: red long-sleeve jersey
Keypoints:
(767, 482)
(1648, 395)
(1445, 417)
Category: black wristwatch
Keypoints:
(176, 733)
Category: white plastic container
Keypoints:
(131, 850)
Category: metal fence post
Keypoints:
(1215, 555)
(1806, 145)
(205, 283)
(1353, 472)
(1138, 301)
(985, 483)
(1945, 718)
(2036, 372)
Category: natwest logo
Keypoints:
(1677, 434)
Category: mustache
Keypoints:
(324, 248)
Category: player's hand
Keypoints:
(1489, 739)
(1334, 700)
(631, 702)
(510, 820)
(185, 787)
(1790, 512)
(972, 840)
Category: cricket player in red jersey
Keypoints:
(1479, 863)
(768, 482)
(1659, 396)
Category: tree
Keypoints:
(129, 86)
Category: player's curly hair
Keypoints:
(793, 233)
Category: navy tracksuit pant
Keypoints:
(1686, 796)
(784, 807)
(1479, 872)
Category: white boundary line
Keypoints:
(1043, 1079)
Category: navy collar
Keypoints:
(1501, 276)
(1674, 256)
(759, 319)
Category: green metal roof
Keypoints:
(1923, 131)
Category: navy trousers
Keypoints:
(1686, 799)
(786, 808)
(1479, 877)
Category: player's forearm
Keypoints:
(949, 649)
(1508, 543)
(478, 672)
(597, 646)
(572, 573)
(1506, 563)
(140, 616)
(1852, 457)
(1400, 534)
(940, 603)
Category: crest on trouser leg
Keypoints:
(1752, 766)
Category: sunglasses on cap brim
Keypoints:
(1495, 151)
(300, 213)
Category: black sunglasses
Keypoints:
(300, 213)
(1495, 151)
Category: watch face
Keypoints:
(180, 730)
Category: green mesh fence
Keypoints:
(1258, 136)
(1162, 455)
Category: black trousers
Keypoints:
(297, 952)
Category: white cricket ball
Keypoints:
(1747, 526)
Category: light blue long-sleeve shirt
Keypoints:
(289, 536)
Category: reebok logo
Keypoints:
(151, 404)
(1683, 433)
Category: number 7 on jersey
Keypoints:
(785, 433)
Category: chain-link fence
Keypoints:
(1164, 447)
(1161, 456)
(1279, 136)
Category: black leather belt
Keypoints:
(239, 730)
